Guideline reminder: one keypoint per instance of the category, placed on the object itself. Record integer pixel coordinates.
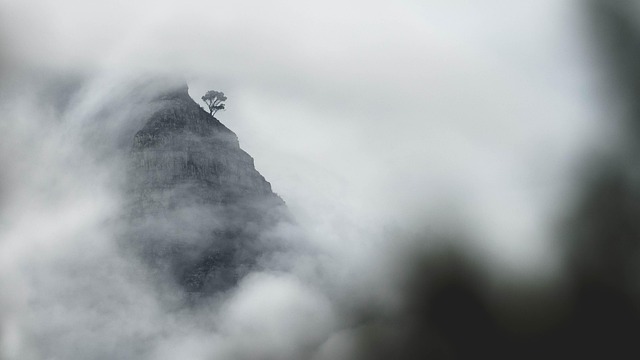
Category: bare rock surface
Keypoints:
(199, 208)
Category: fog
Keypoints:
(393, 130)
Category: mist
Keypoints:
(415, 144)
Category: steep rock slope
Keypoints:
(199, 207)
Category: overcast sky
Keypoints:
(372, 115)
(383, 110)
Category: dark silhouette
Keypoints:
(214, 100)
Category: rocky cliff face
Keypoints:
(198, 205)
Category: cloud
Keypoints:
(370, 118)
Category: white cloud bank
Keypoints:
(364, 115)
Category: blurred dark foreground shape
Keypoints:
(449, 313)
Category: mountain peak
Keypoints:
(188, 172)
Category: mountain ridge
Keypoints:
(189, 176)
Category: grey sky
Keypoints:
(399, 105)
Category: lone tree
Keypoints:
(214, 100)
